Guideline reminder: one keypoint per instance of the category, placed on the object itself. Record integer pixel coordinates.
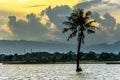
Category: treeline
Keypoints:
(46, 57)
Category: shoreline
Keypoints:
(68, 62)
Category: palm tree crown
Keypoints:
(78, 23)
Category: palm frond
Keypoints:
(88, 13)
(73, 19)
(73, 34)
(73, 28)
(90, 31)
(74, 14)
(94, 27)
(65, 30)
(67, 23)
(86, 18)
(81, 12)
(90, 22)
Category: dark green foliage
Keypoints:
(108, 56)
(90, 56)
(45, 57)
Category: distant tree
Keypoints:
(79, 23)
(8, 57)
(91, 56)
(70, 55)
(118, 56)
(81, 55)
(105, 56)
(16, 54)
(54, 59)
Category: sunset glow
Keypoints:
(31, 19)
(29, 6)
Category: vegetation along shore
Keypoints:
(60, 58)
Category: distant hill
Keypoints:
(21, 47)
(115, 47)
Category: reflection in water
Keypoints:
(59, 72)
(82, 76)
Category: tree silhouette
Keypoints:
(78, 23)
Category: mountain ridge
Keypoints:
(104, 47)
(23, 46)
(19, 46)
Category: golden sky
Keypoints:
(23, 7)
(28, 6)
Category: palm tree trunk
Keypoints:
(78, 56)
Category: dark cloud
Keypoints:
(58, 15)
(107, 20)
(108, 35)
(30, 29)
(88, 4)
(112, 4)
(35, 6)
(106, 32)
(118, 26)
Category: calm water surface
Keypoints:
(59, 72)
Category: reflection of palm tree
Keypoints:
(79, 23)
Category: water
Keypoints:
(59, 72)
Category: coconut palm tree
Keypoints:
(78, 23)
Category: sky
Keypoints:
(41, 20)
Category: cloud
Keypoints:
(107, 32)
(29, 29)
(107, 35)
(5, 33)
(100, 6)
(1, 21)
(58, 14)
(36, 6)
(93, 3)
(106, 21)
(118, 25)
(88, 4)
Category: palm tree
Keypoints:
(78, 23)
